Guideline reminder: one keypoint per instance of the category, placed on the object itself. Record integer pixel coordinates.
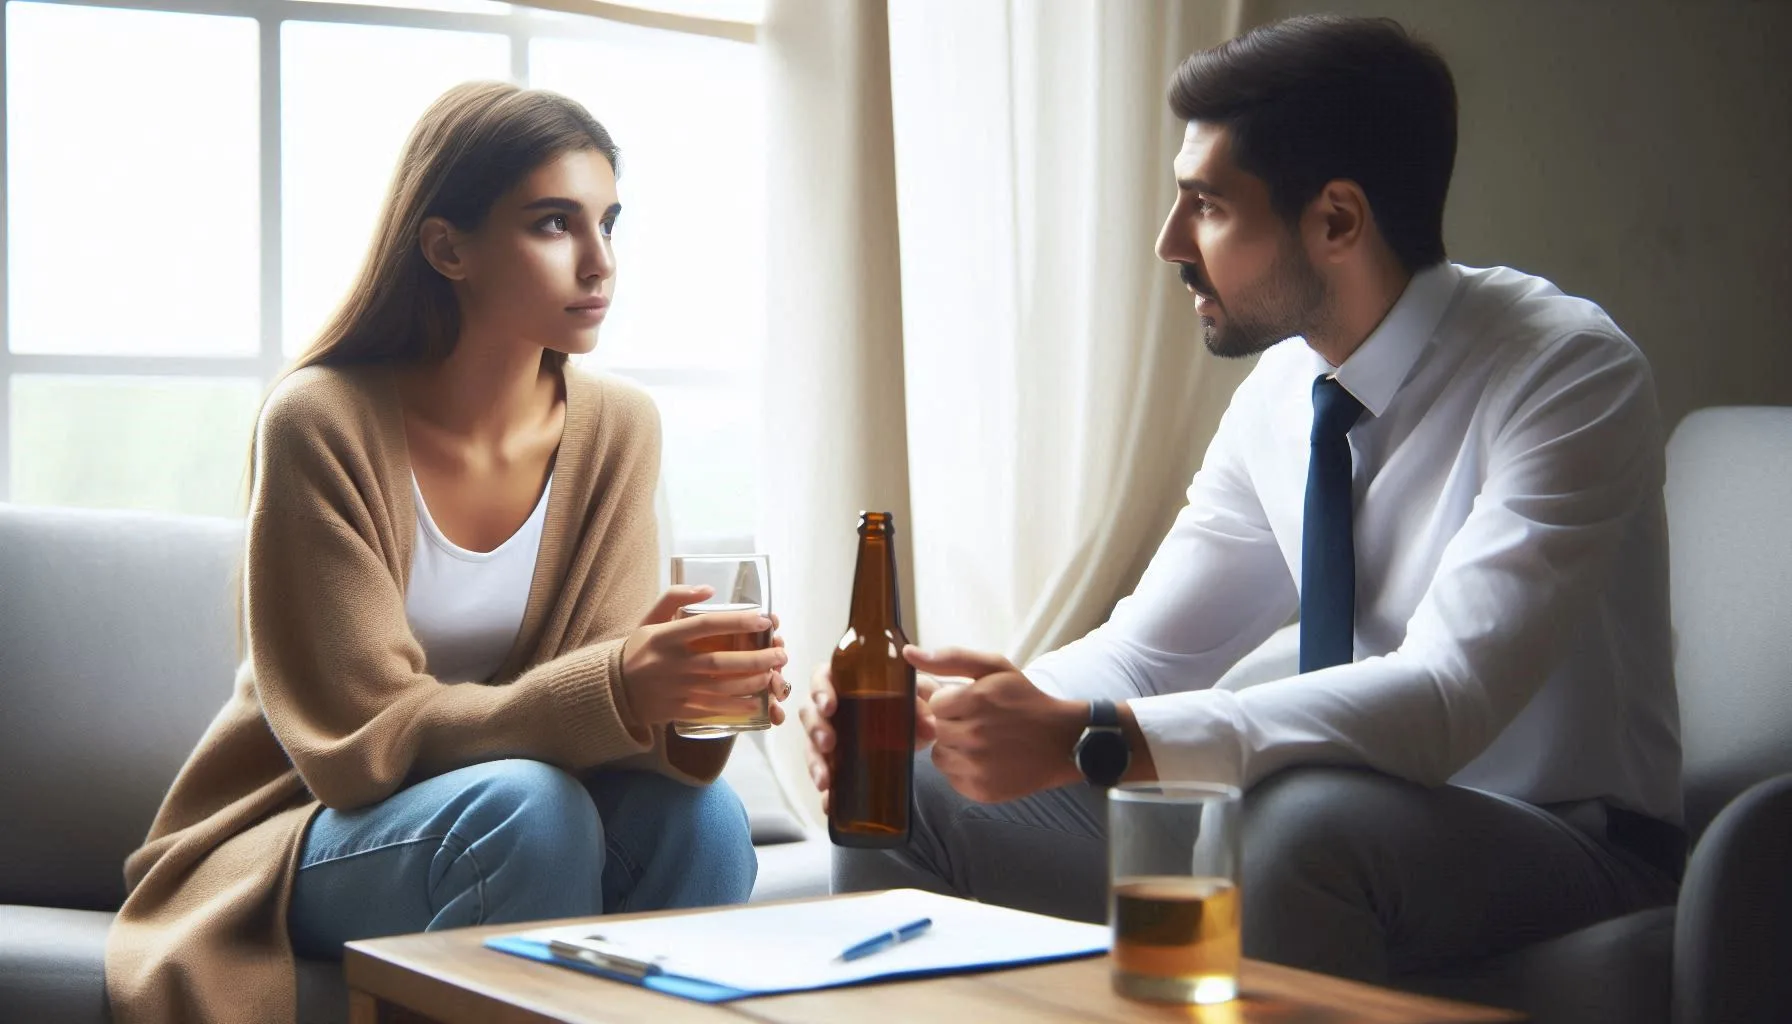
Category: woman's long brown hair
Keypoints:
(473, 144)
(470, 147)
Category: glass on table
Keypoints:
(1174, 898)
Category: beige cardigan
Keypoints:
(333, 706)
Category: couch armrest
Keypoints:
(1733, 927)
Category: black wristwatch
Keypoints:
(1102, 753)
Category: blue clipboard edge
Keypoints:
(701, 991)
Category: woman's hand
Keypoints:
(665, 680)
(780, 687)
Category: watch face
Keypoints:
(1102, 756)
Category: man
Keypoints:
(1452, 475)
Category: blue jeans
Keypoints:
(516, 841)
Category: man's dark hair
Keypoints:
(1324, 97)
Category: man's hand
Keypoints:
(818, 725)
(999, 738)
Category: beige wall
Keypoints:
(1636, 152)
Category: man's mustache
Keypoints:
(1192, 278)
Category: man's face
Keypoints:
(1247, 268)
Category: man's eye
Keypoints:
(609, 226)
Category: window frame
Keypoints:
(582, 19)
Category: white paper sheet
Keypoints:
(796, 946)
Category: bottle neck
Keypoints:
(876, 598)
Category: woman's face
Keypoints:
(541, 268)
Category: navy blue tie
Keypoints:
(1327, 545)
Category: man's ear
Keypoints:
(1337, 220)
(443, 246)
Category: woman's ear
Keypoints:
(443, 247)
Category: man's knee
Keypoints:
(1307, 826)
(1303, 806)
(1314, 842)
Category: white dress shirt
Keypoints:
(466, 607)
(1512, 630)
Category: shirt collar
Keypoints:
(1375, 371)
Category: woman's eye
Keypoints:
(609, 226)
(555, 223)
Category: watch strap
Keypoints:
(1103, 714)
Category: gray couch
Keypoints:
(116, 649)
(1723, 955)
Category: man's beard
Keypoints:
(1288, 302)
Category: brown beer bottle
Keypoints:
(874, 714)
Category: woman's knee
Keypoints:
(697, 832)
(511, 840)
(542, 810)
(714, 814)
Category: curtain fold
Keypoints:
(1146, 364)
(835, 441)
(1060, 397)
(968, 324)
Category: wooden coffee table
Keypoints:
(450, 978)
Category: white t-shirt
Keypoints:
(465, 607)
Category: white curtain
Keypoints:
(1059, 397)
(968, 325)
(835, 442)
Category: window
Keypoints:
(189, 185)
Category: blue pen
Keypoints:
(879, 943)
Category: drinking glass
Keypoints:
(742, 583)
(1174, 900)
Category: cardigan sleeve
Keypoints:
(343, 686)
(338, 673)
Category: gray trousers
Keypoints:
(1346, 872)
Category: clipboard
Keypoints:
(738, 952)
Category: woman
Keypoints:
(439, 501)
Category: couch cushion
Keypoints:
(1729, 487)
(52, 968)
(1733, 928)
(1613, 972)
(53, 965)
(116, 649)
(790, 870)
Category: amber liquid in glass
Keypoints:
(755, 710)
(1176, 938)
